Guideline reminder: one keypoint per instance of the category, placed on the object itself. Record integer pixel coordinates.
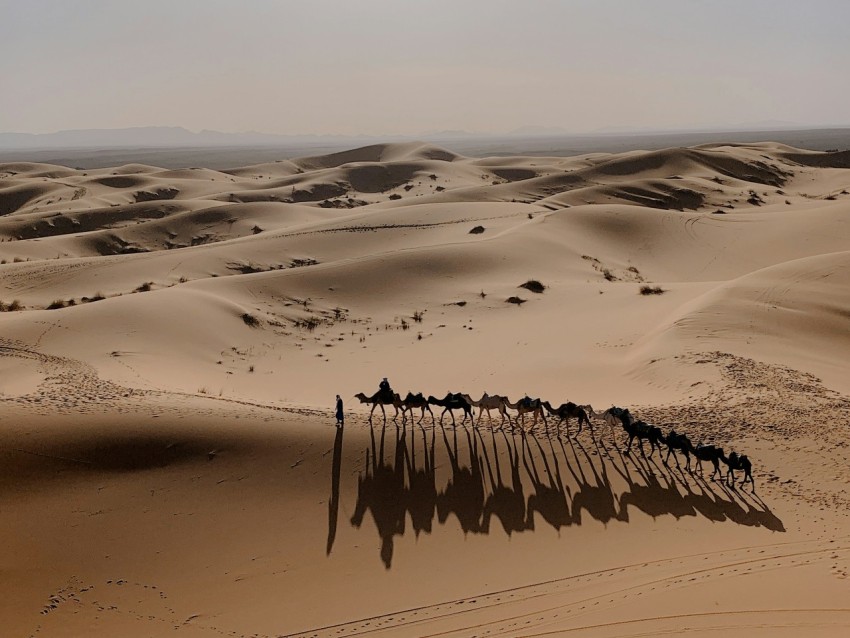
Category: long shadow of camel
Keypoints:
(477, 489)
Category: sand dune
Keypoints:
(177, 336)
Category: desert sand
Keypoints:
(172, 342)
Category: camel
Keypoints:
(412, 401)
(450, 403)
(679, 442)
(707, 453)
(567, 410)
(738, 462)
(526, 405)
(640, 430)
(375, 400)
(487, 402)
(611, 419)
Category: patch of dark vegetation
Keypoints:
(652, 290)
(440, 189)
(342, 203)
(515, 300)
(56, 304)
(533, 285)
(250, 320)
(249, 268)
(155, 195)
(300, 263)
(477, 230)
(718, 212)
(309, 324)
(609, 276)
(98, 296)
(418, 316)
(11, 307)
(395, 196)
(754, 199)
(256, 230)
(145, 287)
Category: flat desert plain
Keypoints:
(172, 342)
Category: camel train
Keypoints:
(538, 409)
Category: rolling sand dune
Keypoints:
(172, 341)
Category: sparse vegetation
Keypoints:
(56, 304)
(417, 316)
(652, 290)
(533, 285)
(145, 287)
(309, 324)
(250, 368)
(477, 230)
(250, 320)
(609, 276)
(754, 199)
(299, 263)
(515, 300)
(395, 196)
(12, 307)
(256, 229)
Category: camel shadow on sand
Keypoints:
(414, 476)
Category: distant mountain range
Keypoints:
(157, 137)
(150, 137)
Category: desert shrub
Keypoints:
(477, 230)
(395, 196)
(417, 316)
(515, 300)
(56, 304)
(256, 230)
(145, 287)
(533, 285)
(754, 199)
(609, 276)
(250, 320)
(309, 324)
(299, 263)
(652, 290)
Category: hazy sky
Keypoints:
(403, 67)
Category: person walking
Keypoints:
(340, 415)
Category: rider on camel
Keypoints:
(385, 392)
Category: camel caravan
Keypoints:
(613, 417)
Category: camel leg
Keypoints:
(667, 458)
(374, 405)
